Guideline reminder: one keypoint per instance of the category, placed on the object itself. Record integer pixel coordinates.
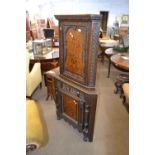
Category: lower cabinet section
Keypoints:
(76, 105)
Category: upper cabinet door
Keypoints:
(78, 47)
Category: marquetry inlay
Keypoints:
(70, 106)
(74, 48)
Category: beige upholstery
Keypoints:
(125, 88)
(36, 129)
(126, 92)
(33, 78)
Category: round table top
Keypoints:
(108, 42)
(121, 61)
(110, 51)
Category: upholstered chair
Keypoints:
(36, 128)
(125, 95)
(33, 77)
(124, 44)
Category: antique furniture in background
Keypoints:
(104, 21)
(48, 33)
(33, 77)
(41, 46)
(121, 62)
(28, 33)
(36, 130)
(51, 24)
(125, 95)
(123, 31)
(49, 83)
(105, 44)
(122, 47)
(108, 53)
(33, 29)
(75, 93)
(48, 61)
(41, 24)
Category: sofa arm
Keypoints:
(36, 130)
(36, 70)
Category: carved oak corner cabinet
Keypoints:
(75, 93)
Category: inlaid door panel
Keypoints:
(74, 49)
(75, 55)
(70, 106)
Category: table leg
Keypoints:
(103, 54)
(109, 67)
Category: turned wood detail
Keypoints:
(80, 115)
(86, 119)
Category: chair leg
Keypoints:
(118, 86)
(125, 103)
(102, 59)
(109, 67)
(123, 78)
(124, 99)
(126, 106)
(40, 85)
(47, 97)
(29, 97)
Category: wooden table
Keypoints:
(109, 52)
(48, 61)
(121, 62)
(105, 44)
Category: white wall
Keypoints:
(46, 8)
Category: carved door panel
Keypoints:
(104, 20)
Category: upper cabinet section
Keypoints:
(78, 47)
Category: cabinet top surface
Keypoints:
(78, 16)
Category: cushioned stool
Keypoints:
(36, 130)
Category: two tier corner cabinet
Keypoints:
(75, 92)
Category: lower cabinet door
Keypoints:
(70, 107)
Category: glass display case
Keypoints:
(41, 47)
